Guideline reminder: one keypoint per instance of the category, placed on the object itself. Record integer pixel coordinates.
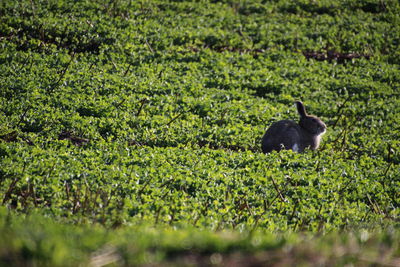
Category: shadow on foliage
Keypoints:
(73, 41)
(332, 55)
(200, 143)
(76, 140)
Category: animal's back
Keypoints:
(282, 135)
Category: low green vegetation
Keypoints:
(40, 241)
(131, 130)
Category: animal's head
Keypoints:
(310, 123)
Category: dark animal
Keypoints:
(287, 134)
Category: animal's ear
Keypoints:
(301, 109)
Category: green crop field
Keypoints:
(130, 133)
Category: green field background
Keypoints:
(130, 133)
